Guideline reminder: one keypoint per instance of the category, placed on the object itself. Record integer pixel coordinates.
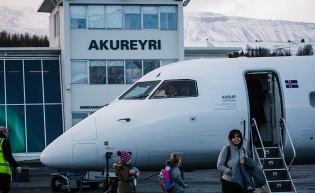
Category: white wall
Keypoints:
(94, 95)
(74, 45)
(79, 45)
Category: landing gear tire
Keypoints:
(55, 183)
(94, 185)
(72, 190)
(106, 188)
(115, 187)
(111, 188)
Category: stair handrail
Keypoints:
(260, 140)
(287, 131)
(286, 166)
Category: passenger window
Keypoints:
(312, 99)
(176, 89)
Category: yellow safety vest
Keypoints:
(4, 164)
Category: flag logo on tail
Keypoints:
(291, 84)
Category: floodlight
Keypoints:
(186, 2)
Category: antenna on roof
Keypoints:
(56, 2)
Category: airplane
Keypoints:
(211, 99)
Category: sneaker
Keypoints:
(250, 189)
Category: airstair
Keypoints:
(272, 161)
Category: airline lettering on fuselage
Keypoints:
(228, 98)
(227, 102)
(125, 45)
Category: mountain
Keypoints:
(216, 27)
(22, 20)
(207, 28)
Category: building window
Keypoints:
(52, 81)
(132, 17)
(77, 117)
(79, 72)
(115, 72)
(97, 72)
(168, 18)
(96, 17)
(312, 99)
(77, 17)
(16, 126)
(133, 71)
(122, 17)
(149, 65)
(56, 26)
(54, 125)
(114, 17)
(30, 103)
(33, 81)
(150, 17)
(167, 62)
(14, 81)
(2, 118)
(2, 100)
(35, 127)
(111, 71)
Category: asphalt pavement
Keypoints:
(198, 181)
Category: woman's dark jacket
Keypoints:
(7, 152)
(248, 171)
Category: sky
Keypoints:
(291, 10)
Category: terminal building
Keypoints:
(98, 49)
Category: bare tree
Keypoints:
(305, 51)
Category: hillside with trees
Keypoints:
(22, 40)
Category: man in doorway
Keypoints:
(256, 95)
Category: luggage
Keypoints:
(24, 176)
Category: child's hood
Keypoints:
(118, 165)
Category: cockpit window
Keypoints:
(176, 88)
(140, 90)
(312, 99)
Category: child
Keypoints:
(125, 172)
(179, 184)
(168, 165)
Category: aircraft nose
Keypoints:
(55, 154)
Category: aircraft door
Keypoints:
(276, 111)
(142, 158)
(265, 106)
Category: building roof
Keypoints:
(29, 52)
(55, 51)
(211, 50)
(47, 5)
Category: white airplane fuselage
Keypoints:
(196, 127)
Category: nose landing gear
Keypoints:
(110, 184)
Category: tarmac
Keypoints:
(198, 181)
